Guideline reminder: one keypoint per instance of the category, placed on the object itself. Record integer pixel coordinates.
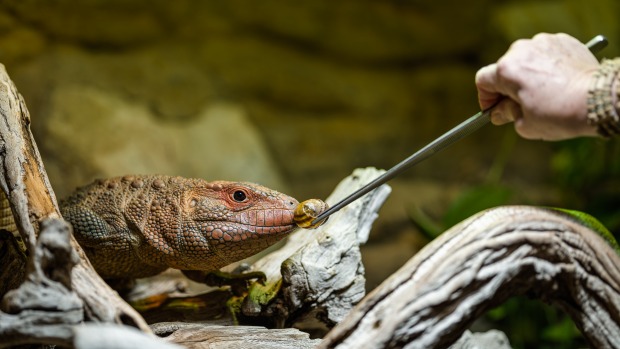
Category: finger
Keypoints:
(506, 111)
(486, 82)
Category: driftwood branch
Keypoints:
(480, 263)
(200, 335)
(321, 270)
(43, 309)
(25, 186)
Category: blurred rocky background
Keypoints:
(295, 95)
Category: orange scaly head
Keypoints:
(235, 220)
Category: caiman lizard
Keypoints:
(138, 226)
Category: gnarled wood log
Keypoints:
(26, 186)
(43, 309)
(321, 269)
(480, 263)
(201, 335)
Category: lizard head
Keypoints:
(235, 220)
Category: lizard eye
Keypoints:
(239, 196)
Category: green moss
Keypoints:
(262, 294)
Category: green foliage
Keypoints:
(533, 324)
(471, 201)
(474, 200)
(587, 173)
(582, 162)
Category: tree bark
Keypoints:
(480, 263)
(201, 335)
(26, 187)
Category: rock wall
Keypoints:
(291, 95)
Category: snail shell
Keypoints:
(307, 211)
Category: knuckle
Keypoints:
(505, 68)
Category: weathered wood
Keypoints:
(105, 336)
(197, 335)
(12, 250)
(322, 273)
(492, 339)
(24, 181)
(43, 309)
(480, 263)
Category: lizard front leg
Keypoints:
(239, 282)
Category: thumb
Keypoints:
(507, 110)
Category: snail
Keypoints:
(307, 211)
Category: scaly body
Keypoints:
(138, 226)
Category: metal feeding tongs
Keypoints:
(465, 128)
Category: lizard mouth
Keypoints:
(242, 232)
(262, 230)
(261, 220)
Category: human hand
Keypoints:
(541, 84)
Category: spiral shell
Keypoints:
(307, 211)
